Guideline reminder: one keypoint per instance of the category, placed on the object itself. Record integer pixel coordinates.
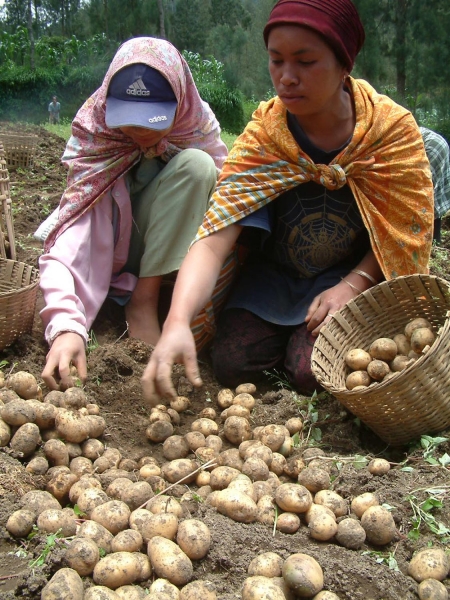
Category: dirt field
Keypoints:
(115, 367)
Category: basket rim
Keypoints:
(25, 288)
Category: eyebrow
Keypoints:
(296, 53)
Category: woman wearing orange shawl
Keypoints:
(333, 179)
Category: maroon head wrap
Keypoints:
(337, 21)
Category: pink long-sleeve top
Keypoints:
(87, 257)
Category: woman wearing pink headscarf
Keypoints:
(142, 163)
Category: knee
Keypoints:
(199, 165)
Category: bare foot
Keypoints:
(142, 322)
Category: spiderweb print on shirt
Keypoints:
(315, 230)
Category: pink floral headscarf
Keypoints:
(97, 156)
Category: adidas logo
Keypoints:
(138, 89)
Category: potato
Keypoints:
(113, 515)
(54, 397)
(215, 442)
(416, 324)
(128, 540)
(56, 452)
(230, 458)
(378, 369)
(5, 433)
(90, 498)
(81, 466)
(362, 502)
(350, 534)
(403, 345)
(115, 570)
(236, 410)
(293, 498)
(421, 338)
(37, 466)
(267, 564)
(293, 466)
(237, 429)
(181, 469)
(18, 412)
(20, 522)
(400, 363)
(137, 494)
(97, 425)
(303, 574)
(236, 505)
(59, 486)
(180, 403)
(74, 398)
(326, 595)
(83, 484)
(322, 527)
(163, 525)
(71, 426)
(379, 525)
(383, 349)
(314, 479)
(357, 359)
(175, 447)
(429, 563)
(379, 466)
(24, 384)
(246, 388)
(288, 522)
(65, 584)
(317, 509)
(131, 592)
(208, 413)
(225, 398)
(357, 379)
(92, 449)
(333, 501)
(164, 504)
(265, 512)
(26, 439)
(278, 464)
(82, 555)
(243, 484)
(194, 538)
(198, 589)
(150, 470)
(53, 520)
(261, 588)
(169, 561)
(162, 586)
(100, 592)
(205, 426)
(37, 501)
(222, 476)
(432, 589)
(159, 431)
(244, 399)
(294, 425)
(255, 468)
(273, 436)
(94, 531)
(195, 440)
(45, 414)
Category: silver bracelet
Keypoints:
(366, 275)
(354, 288)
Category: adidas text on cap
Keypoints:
(139, 96)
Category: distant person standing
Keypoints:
(53, 111)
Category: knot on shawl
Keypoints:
(333, 177)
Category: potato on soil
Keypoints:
(128, 540)
(169, 561)
(357, 379)
(26, 439)
(432, 589)
(378, 369)
(294, 425)
(175, 447)
(52, 520)
(362, 502)
(180, 403)
(303, 574)
(293, 498)
(37, 466)
(429, 563)
(357, 359)
(317, 509)
(20, 522)
(59, 486)
(208, 413)
(65, 584)
(56, 452)
(82, 555)
(179, 469)
(24, 384)
(244, 484)
(322, 527)
(198, 589)
(288, 522)
(333, 501)
(74, 398)
(421, 338)
(258, 587)
(236, 505)
(255, 468)
(137, 494)
(266, 510)
(163, 586)
(159, 431)
(194, 538)
(150, 470)
(5, 433)
(89, 498)
(246, 388)
(326, 595)
(244, 399)
(113, 515)
(83, 484)
(379, 466)
(225, 398)
(237, 429)
(163, 525)
(414, 324)
(267, 564)
(92, 449)
(350, 534)
(117, 569)
(205, 426)
(314, 479)
(278, 464)
(81, 466)
(37, 501)
(94, 531)
(18, 412)
(379, 525)
(294, 465)
(273, 436)
(71, 426)
(131, 592)
(100, 592)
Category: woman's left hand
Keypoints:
(323, 307)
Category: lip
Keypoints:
(291, 99)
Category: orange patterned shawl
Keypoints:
(385, 166)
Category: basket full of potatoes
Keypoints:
(384, 356)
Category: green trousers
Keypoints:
(168, 202)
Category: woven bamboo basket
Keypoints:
(18, 293)
(415, 401)
(7, 237)
(19, 149)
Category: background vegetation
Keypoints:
(64, 47)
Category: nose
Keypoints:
(288, 77)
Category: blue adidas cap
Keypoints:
(139, 96)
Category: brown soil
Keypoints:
(115, 367)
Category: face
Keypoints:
(305, 71)
(143, 137)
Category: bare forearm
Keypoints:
(366, 274)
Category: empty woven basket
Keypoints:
(18, 293)
(19, 149)
(415, 401)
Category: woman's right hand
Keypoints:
(66, 350)
(176, 345)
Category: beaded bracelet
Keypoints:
(366, 275)
(352, 286)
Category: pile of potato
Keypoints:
(128, 530)
(387, 357)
